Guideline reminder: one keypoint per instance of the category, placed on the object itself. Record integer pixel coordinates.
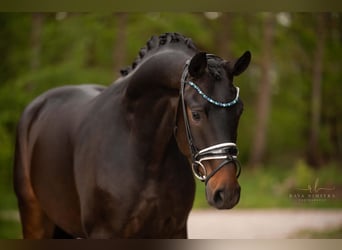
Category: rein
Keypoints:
(226, 151)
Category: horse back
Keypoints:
(44, 153)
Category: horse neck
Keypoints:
(162, 69)
(151, 101)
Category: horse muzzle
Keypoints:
(223, 191)
(223, 196)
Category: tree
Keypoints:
(120, 43)
(224, 36)
(36, 31)
(263, 101)
(331, 90)
(314, 157)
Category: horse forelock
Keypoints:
(215, 67)
(156, 42)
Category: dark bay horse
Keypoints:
(119, 162)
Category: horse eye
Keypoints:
(196, 116)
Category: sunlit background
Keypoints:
(290, 134)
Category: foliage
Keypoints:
(331, 233)
(303, 174)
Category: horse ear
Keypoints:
(242, 63)
(198, 64)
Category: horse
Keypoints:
(119, 161)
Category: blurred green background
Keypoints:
(290, 134)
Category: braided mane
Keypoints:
(156, 42)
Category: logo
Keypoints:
(313, 193)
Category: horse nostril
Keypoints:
(224, 198)
(219, 197)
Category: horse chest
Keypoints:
(156, 215)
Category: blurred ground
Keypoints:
(260, 223)
(238, 224)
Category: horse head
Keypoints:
(208, 115)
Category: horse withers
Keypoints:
(120, 161)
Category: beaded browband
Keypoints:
(217, 103)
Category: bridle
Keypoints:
(227, 151)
